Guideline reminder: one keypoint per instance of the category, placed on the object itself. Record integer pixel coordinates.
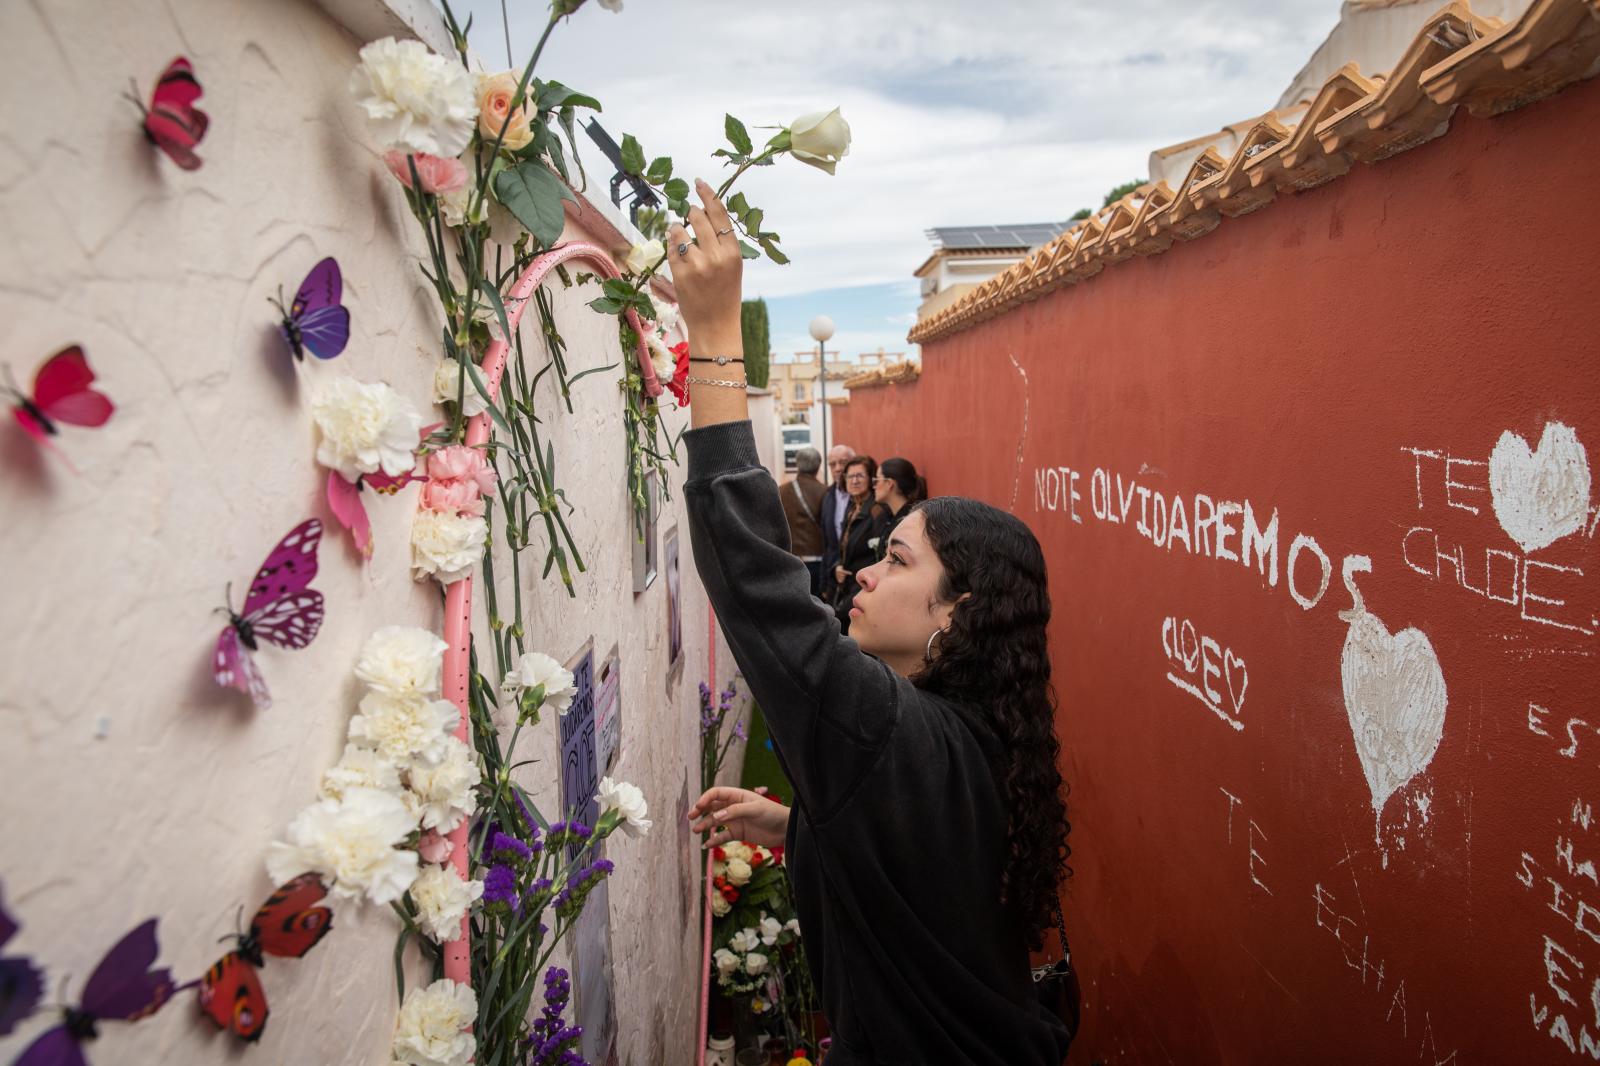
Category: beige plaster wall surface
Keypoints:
(133, 786)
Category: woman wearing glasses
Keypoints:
(864, 525)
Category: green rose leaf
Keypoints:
(676, 189)
(606, 305)
(632, 155)
(660, 170)
(534, 195)
(748, 252)
(552, 94)
(752, 219)
(736, 205)
(769, 244)
(737, 135)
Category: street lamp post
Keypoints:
(821, 330)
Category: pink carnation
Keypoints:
(453, 497)
(461, 463)
(438, 175)
(433, 847)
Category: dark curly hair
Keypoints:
(994, 659)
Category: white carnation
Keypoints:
(770, 928)
(417, 101)
(628, 802)
(433, 1023)
(744, 940)
(402, 661)
(442, 900)
(453, 205)
(661, 358)
(447, 383)
(738, 872)
(536, 669)
(445, 546)
(444, 787)
(359, 767)
(365, 427)
(404, 730)
(350, 842)
(755, 963)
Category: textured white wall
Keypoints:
(110, 578)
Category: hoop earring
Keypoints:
(927, 653)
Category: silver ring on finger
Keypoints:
(683, 249)
(724, 232)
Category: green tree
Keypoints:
(757, 342)
(1122, 190)
(1082, 212)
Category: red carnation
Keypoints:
(679, 385)
(718, 854)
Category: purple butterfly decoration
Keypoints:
(315, 319)
(279, 609)
(21, 984)
(122, 988)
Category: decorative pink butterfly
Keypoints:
(345, 500)
(172, 122)
(61, 396)
(279, 609)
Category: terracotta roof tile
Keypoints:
(888, 374)
(1456, 58)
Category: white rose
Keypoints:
(445, 787)
(755, 963)
(611, 5)
(445, 546)
(738, 872)
(719, 906)
(744, 940)
(534, 669)
(770, 928)
(433, 1023)
(359, 767)
(442, 900)
(738, 849)
(404, 730)
(402, 661)
(821, 139)
(351, 842)
(641, 256)
(417, 101)
(793, 925)
(364, 427)
(661, 358)
(629, 804)
(447, 383)
(727, 962)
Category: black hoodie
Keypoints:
(897, 836)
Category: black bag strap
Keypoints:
(1061, 930)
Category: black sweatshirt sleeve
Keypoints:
(829, 706)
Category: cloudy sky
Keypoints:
(963, 113)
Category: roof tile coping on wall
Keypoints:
(895, 373)
(1455, 58)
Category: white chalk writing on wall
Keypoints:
(1567, 1008)
(1255, 862)
(1205, 669)
(1567, 731)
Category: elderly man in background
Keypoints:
(834, 505)
(802, 506)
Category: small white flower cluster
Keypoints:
(745, 964)
(402, 771)
(537, 682)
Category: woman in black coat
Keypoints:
(860, 540)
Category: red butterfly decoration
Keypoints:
(61, 394)
(172, 122)
(288, 925)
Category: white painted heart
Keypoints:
(1395, 696)
(1237, 675)
(1540, 496)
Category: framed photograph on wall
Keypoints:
(644, 551)
(669, 564)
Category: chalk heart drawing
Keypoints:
(1394, 694)
(1237, 675)
(1540, 496)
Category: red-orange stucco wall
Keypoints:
(1347, 358)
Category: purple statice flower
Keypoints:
(500, 888)
(571, 898)
(550, 1041)
(739, 731)
(506, 848)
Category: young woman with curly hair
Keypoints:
(928, 832)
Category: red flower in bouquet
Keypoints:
(680, 373)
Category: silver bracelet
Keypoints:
(719, 381)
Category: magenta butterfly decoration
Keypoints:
(315, 318)
(279, 609)
(21, 983)
(344, 499)
(123, 988)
